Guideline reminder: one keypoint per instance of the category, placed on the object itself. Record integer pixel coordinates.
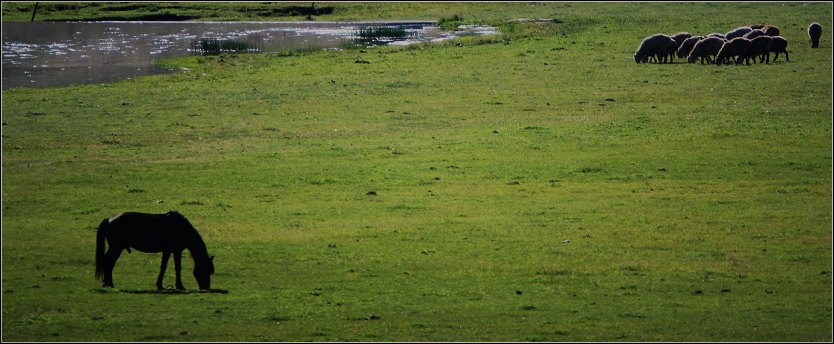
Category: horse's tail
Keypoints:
(100, 236)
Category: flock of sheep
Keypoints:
(742, 44)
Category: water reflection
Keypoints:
(44, 54)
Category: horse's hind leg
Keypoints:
(162, 267)
(110, 262)
(177, 267)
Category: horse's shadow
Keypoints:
(163, 291)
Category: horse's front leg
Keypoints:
(165, 255)
(178, 266)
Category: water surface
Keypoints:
(45, 54)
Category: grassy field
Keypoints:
(532, 186)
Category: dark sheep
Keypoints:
(755, 33)
(760, 47)
(779, 45)
(687, 45)
(737, 32)
(705, 48)
(734, 48)
(679, 38)
(757, 26)
(717, 34)
(814, 32)
(771, 30)
(658, 46)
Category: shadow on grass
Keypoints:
(161, 292)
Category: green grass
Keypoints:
(535, 186)
(214, 46)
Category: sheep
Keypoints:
(737, 32)
(814, 32)
(705, 48)
(679, 38)
(755, 33)
(779, 45)
(658, 46)
(687, 45)
(737, 48)
(757, 26)
(771, 30)
(760, 47)
(717, 34)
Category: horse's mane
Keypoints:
(199, 252)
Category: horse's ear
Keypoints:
(212, 258)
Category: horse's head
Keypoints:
(203, 271)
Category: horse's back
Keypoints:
(148, 232)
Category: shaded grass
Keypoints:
(544, 188)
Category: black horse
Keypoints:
(167, 233)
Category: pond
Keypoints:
(49, 54)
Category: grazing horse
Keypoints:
(167, 233)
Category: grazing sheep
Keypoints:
(737, 32)
(679, 38)
(734, 48)
(757, 26)
(779, 45)
(717, 34)
(771, 30)
(687, 45)
(705, 48)
(760, 47)
(755, 33)
(658, 46)
(815, 31)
